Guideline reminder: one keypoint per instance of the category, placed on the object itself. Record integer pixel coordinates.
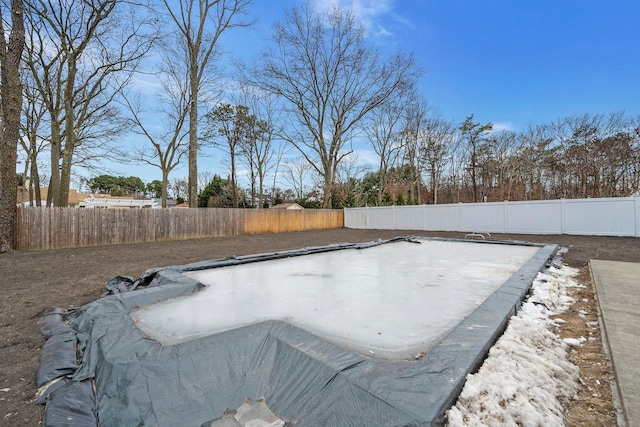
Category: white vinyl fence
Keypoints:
(618, 216)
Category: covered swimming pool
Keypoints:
(377, 333)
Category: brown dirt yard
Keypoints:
(33, 281)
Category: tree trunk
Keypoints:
(328, 183)
(11, 95)
(234, 189)
(434, 188)
(165, 184)
(260, 188)
(193, 132)
(417, 198)
(65, 175)
(473, 175)
(34, 183)
(55, 146)
(69, 135)
(382, 172)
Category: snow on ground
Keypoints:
(527, 370)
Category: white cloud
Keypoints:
(367, 12)
(146, 84)
(367, 157)
(382, 31)
(406, 22)
(504, 126)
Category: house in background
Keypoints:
(287, 206)
(85, 200)
(107, 201)
(75, 198)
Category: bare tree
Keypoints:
(237, 128)
(11, 102)
(617, 158)
(296, 173)
(32, 139)
(46, 67)
(200, 24)
(455, 178)
(345, 189)
(537, 158)
(280, 152)
(412, 139)
(577, 156)
(321, 66)
(596, 150)
(167, 148)
(437, 137)
(179, 188)
(204, 178)
(473, 134)
(81, 54)
(504, 146)
(259, 151)
(383, 129)
(631, 180)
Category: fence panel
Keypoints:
(408, 217)
(442, 217)
(380, 218)
(356, 218)
(534, 217)
(601, 217)
(486, 217)
(51, 228)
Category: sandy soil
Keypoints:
(33, 281)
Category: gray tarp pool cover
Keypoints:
(301, 377)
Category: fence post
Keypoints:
(366, 217)
(393, 217)
(636, 215)
(563, 216)
(506, 217)
(424, 217)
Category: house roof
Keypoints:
(76, 198)
(287, 206)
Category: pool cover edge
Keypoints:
(333, 386)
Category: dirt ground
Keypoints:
(33, 281)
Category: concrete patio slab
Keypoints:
(618, 293)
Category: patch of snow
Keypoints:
(574, 342)
(527, 370)
(252, 413)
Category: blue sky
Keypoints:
(521, 61)
(509, 62)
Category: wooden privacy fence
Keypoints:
(53, 228)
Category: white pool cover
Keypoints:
(377, 333)
(391, 301)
